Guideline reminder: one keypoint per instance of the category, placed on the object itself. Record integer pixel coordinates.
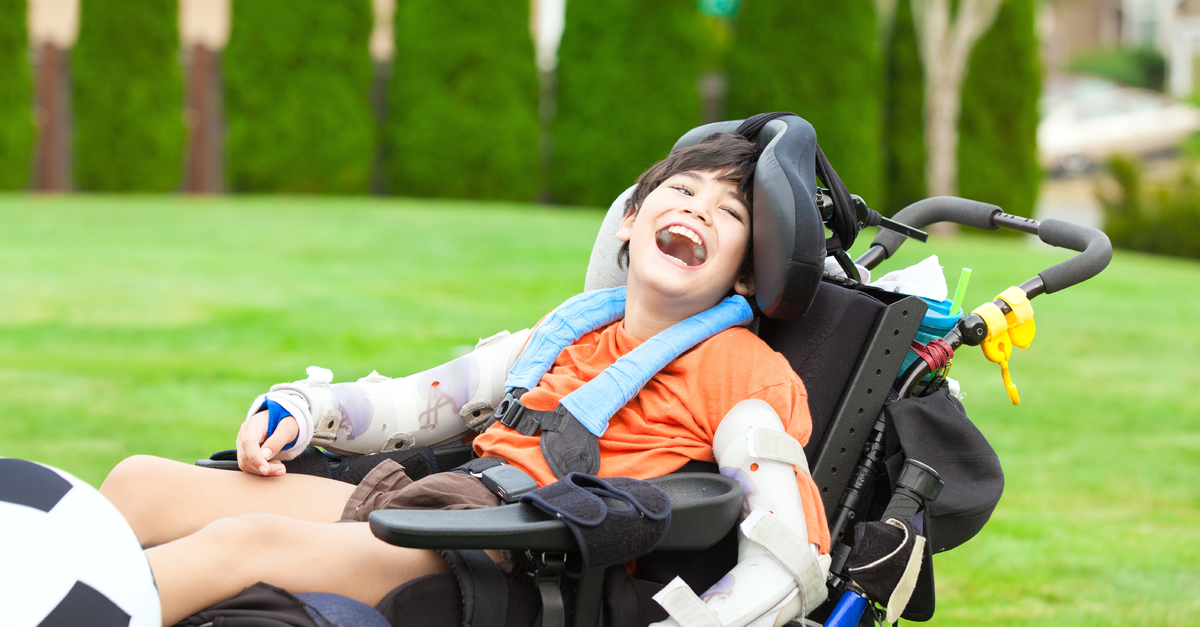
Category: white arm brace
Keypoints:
(779, 574)
(378, 414)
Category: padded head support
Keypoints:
(787, 230)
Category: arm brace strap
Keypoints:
(791, 551)
(682, 604)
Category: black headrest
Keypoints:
(788, 229)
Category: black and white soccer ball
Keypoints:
(69, 557)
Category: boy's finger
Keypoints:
(285, 433)
(250, 457)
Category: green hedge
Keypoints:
(16, 98)
(128, 94)
(819, 60)
(903, 115)
(463, 118)
(1136, 67)
(297, 86)
(626, 92)
(1157, 218)
(997, 149)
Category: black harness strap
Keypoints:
(566, 444)
(845, 221)
(482, 585)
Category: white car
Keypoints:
(1086, 119)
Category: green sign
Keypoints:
(718, 8)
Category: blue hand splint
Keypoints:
(276, 413)
(596, 401)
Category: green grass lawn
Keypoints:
(147, 324)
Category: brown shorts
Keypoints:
(387, 486)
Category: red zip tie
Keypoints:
(936, 354)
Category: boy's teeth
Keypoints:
(686, 232)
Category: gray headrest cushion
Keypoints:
(603, 271)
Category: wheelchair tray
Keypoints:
(704, 507)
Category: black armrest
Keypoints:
(704, 507)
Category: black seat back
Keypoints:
(848, 350)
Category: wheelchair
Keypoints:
(888, 440)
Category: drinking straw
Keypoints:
(960, 292)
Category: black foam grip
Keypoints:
(1094, 248)
(902, 506)
(938, 209)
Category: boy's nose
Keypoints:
(699, 212)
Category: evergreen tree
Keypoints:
(626, 92)
(128, 94)
(16, 97)
(297, 86)
(463, 121)
(817, 60)
(997, 150)
(903, 115)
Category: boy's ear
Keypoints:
(744, 285)
(626, 227)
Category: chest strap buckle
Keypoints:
(514, 415)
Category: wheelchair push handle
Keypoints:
(1093, 245)
(936, 209)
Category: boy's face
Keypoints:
(688, 241)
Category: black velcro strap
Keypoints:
(418, 462)
(613, 520)
(482, 586)
(882, 551)
(311, 462)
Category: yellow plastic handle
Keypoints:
(1016, 328)
(1021, 328)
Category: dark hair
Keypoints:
(730, 156)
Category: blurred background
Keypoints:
(1044, 107)
(200, 198)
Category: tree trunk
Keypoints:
(943, 102)
(945, 45)
(203, 168)
(52, 117)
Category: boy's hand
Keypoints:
(255, 449)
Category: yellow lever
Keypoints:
(1005, 331)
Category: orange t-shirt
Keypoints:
(674, 417)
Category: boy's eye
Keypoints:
(733, 213)
(683, 189)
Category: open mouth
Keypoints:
(683, 244)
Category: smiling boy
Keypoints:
(687, 242)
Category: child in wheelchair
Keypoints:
(686, 237)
